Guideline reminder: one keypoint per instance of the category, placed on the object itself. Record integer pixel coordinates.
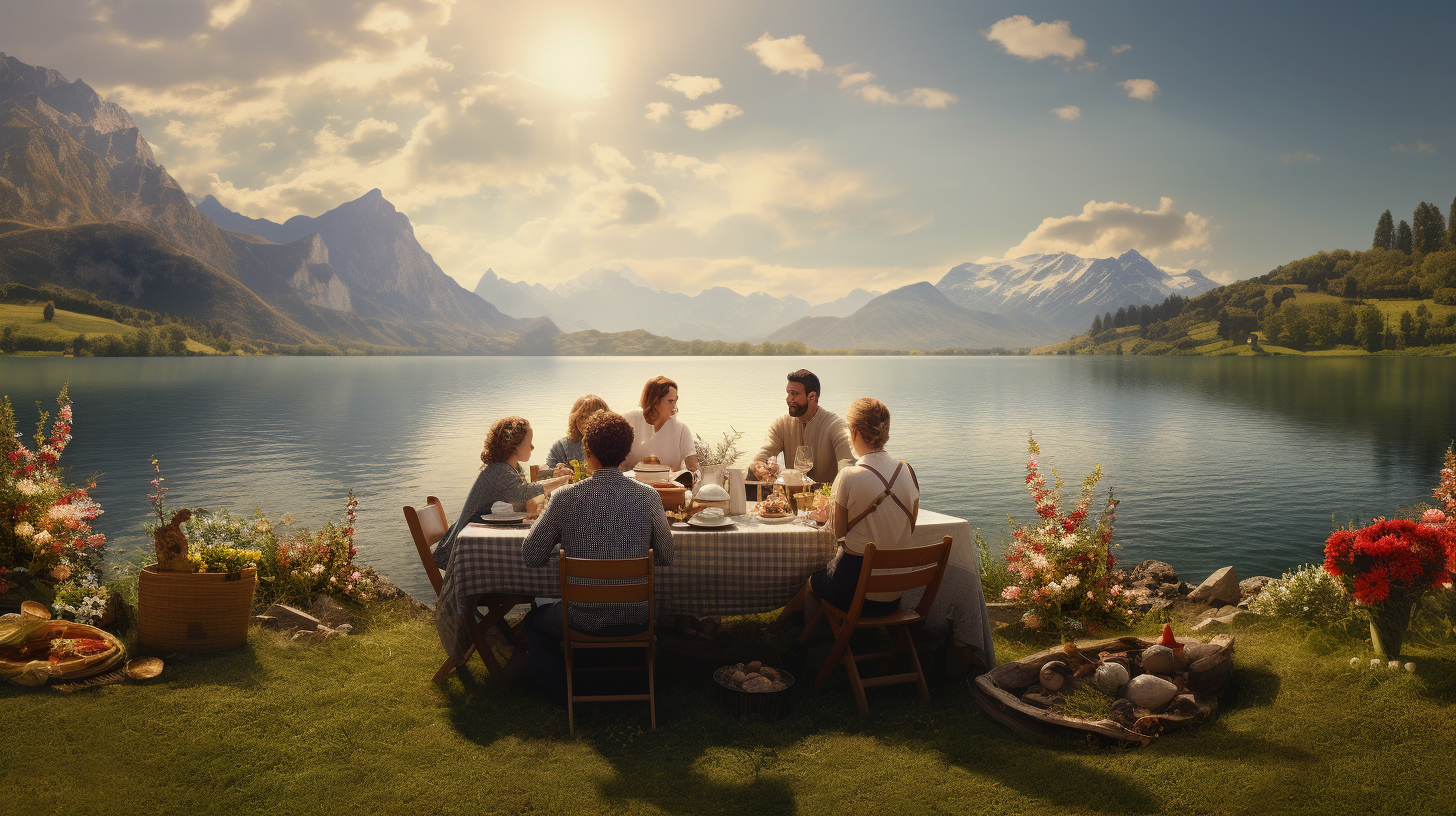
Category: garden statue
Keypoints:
(172, 544)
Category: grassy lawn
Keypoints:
(355, 726)
(28, 321)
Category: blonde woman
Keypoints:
(569, 447)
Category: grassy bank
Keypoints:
(355, 726)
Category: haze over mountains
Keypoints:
(613, 298)
(84, 204)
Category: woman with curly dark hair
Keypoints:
(506, 446)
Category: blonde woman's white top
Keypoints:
(888, 526)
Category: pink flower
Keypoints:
(1010, 593)
(1433, 516)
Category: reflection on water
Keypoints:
(1217, 461)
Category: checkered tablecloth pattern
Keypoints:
(751, 567)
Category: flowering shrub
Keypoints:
(299, 564)
(1061, 568)
(1390, 559)
(46, 537)
(217, 541)
(1308, 594)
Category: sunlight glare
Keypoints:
(572, 59)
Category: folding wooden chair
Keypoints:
(428, 527)
(912, 567)
(576, 569)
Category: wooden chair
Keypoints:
(575, 569)
(913, 567)
(428, 527)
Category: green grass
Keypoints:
(355, 726)
(29, 321)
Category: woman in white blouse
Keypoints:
(656, 431)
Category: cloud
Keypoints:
(1144, 89)
(932, 98)
(1105, 229)
(789, 54)
(385, 20)
(1299, 157)
(1069, 112)
(711, 116)
(1121, 49)
(615, 203)
(684, 164)
(524, 121)
(610, 160)
(690, 86)
(657, 111)
(1031, 41)
(1417, 149)
(225, 14)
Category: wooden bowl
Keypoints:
(671, 493)
(143, 668)
(35, 609)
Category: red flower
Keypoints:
(1372, 587)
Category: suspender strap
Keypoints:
(888, 494)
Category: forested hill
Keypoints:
(1398, 295)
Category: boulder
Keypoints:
(1218, 589)
(329, 612)
(1158, 660)
(1224, 616)
(1249, 588)
(286, 617)
(1153, 573)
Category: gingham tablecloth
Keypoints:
(751, 567)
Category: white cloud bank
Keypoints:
(1417, 149)
(1105, 229)
(711, 116)
(793, 55)
(657, 111)
(690, 86)
(1299, 157)
(1071, 113)
(1021, 37)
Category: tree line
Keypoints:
(1427, 231)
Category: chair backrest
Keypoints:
(900, 570)
(580, 579)
(428, 527)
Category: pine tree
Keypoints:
(1120, 319)
(1428, 228)
(1403, 239)
(1384, 232)
(49, 312)
(1097, 325)
(1107, 321)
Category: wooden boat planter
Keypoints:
(194, 611)
(1011, 693)
(108, 656)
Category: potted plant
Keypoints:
(198, 597)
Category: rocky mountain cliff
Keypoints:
(613, 298)
(1064, 289)
(918, 316)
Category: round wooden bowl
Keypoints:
(770, 705)
(35, 609)
(143, 668)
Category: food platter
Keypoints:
(724, 521)
(785, 519)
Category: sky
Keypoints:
(790, 147)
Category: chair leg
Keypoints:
(851, 666)
(652, 686)
(915, 661)
(570, 693)
(836, 652)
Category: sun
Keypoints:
(572, 59)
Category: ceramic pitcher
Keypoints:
(737, 493)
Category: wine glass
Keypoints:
(804, 459)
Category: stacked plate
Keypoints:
(503, 519)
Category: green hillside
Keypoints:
(29, 321)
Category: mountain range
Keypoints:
(85, 205)
(613, 298)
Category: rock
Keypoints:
(1152, 693)
(1041, 698)
(1158, 660)
(329, 612)
(1122, 712)
(266, 621)
(1211, 612)
(1054, 675)
(290, 618)
(1249, 588)
(1110, 677)
(1152, 572)
(313, 637)
(1222, 588)
(758, 683)
(344, 628)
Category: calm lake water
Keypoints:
(1217, 461)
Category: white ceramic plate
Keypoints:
(503, 518)
(723, 523)
(782, 520)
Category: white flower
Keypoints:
(1071, 581)
(316, 569)
(42, 537)
(1039, 561)
(1054, 587)
(27, 487)
(24, 529)
(1069, 540)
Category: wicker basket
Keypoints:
(770, 705)
(194, 611)
(79, 667)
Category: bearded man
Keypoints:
(805, 424)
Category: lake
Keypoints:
(1216, 461)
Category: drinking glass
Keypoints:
(804, 459)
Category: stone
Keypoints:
(1110, 677)
(290, 618)
(1220, 588)
(266, 621)
(1152, 693)
(1158, 660)
(1249, 588)
(344, 628)
(313, 637)
(329, 612)
(1152, 572)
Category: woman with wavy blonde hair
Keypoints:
(570, 447)
(507, 445)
